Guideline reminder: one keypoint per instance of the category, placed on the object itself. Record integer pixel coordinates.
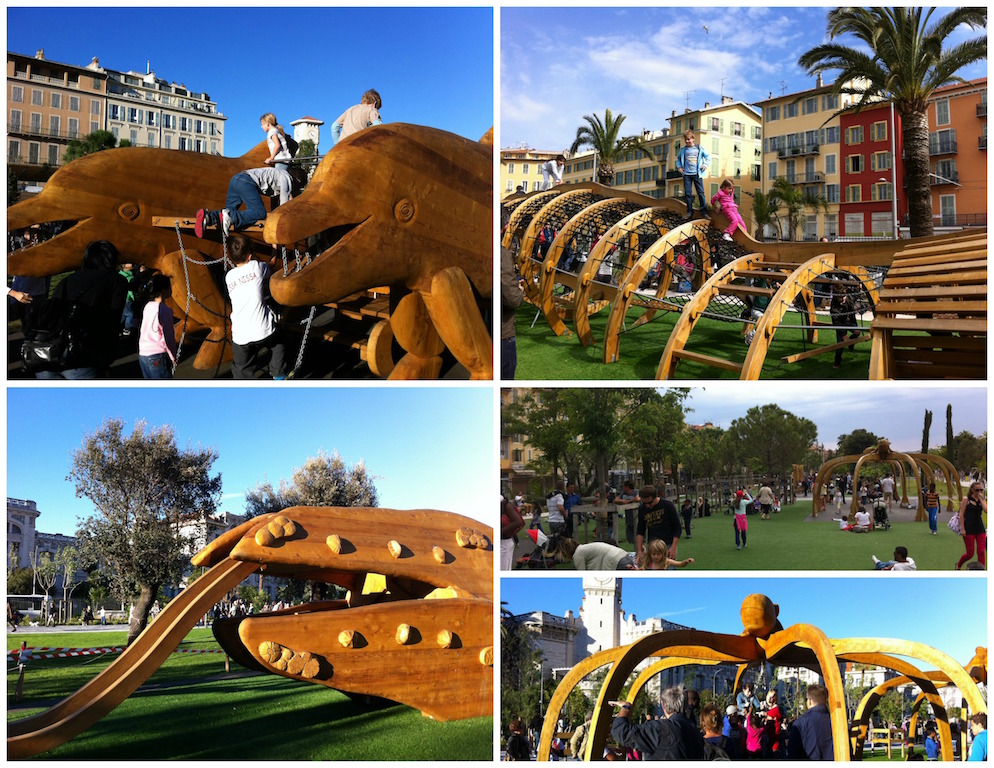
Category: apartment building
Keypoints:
(868, 205)
(48, 105)
(802, 142)
(521, 169)
(51, 103)
(957, 148)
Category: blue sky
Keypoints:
(559, 64)
(893, 410)
(946, 613)
(429, 448)
(432, 66)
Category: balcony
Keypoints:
(938, 179)
(816, 177)
(961, 220)
(18, 129)
(673, 175)
(982, 109)
(946, 147)
(982, 143)
(801, 151)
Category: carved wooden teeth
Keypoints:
(439, 554)
(301, 663)
(487, 656)
(403, 634)
(347, 638)
(395, 548)
(280, 527)
(445, 638)
(335, 543)
(472, 539)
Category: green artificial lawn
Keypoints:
(543, 355)
(188, 711)
(791, 541)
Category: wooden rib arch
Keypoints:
(603, 213)
(640, 269)
(589, 290)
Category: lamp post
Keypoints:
(893, 170)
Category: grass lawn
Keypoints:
(543, 355)
(791, 541)
(184, 714)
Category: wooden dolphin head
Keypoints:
(391, 205)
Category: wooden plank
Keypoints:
(925, 371)
(930, 306)
(933, 292)
(822, 350)
(947, 270)
(749, 290)
(930, 325)
(972, 343)
(942, 259)
(963, 358)
(187, 223)
(714, 362)
(934, 278)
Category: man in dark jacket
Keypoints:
(674, 737)
(657, 519)
(810, 737)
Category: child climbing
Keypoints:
(362, 115)
(276, 140)
(725, 200)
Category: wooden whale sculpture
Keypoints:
(416, 626)
(114, 195)
(411, 208)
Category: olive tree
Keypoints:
(143, 487)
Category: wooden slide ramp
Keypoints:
(74, 714)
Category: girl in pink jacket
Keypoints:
(725, 199)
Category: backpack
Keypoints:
(292, 145)
(55, 340)
(713, 752)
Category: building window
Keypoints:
(832, 193)
(13, 151)
(811, 227)
(715, 124)
(771, 170)
(880, 161)
(854, 224)
(881, 190)
(854, 134)
(790, 110)
(74, 103)
(168, 142)
(832, 225)
(882, 224)
(56, 100)
(54, 125)
(941, 142)
(73, 127)
(115, 111)
(37, 98)
(832, 133)
(810, 105)
(17, 94)
(510, 168)
(133, 137)
(854, 194)
(526, 168)
(831, 164)
(947, 210)
(829, 101)
(94, 107)
(854, 164)
(772, 113)
(36, 122)
(15, 120)
(94, 127)
(878, 131)
(942, 112)
(150, 139)
(34, 151)
(53, 154)
(117, 132)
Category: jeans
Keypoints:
(690, 185)
(508, 358)
(241, 189)
(70, 373)
(156, 366)
(933, 519)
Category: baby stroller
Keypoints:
(880, 519)
(543, 556)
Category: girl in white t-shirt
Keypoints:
(279, 154)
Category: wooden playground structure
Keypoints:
(918, 464)
(419, 608)
(765, 640)
(394, 232)
(587, 248)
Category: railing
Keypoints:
(982, 142)
(804, 149)
(982, 109)
(41, 133)
(961, 220)
(947, 147)
(946, 178)
(19, 160)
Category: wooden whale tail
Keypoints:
(74, 714)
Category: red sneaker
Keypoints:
(198, 228)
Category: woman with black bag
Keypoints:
(91, 301)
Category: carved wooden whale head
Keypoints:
(392, 204)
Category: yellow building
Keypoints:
(802, 142)
(515, 453)
(731, 132)
(522, 167)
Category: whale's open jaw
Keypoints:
(328, 240)
(45, 231)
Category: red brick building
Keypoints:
(870, 141)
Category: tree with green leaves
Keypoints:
(69, 561)
(143, 487)
(855, 442)
(324, 480)
(902, 57)
(765, 213)
(604, 137)
(971, 451)
(97, 141)
(540, 415)
(794, 200)
(654, 428)
(770, 439)
(46, 569)
(950, 439)
(520, 670)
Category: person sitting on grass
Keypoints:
(596, 556)
(901, 561)
(658, 558)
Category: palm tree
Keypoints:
(794, 200)
(765, 212)
(602, 137)
(909, 58)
